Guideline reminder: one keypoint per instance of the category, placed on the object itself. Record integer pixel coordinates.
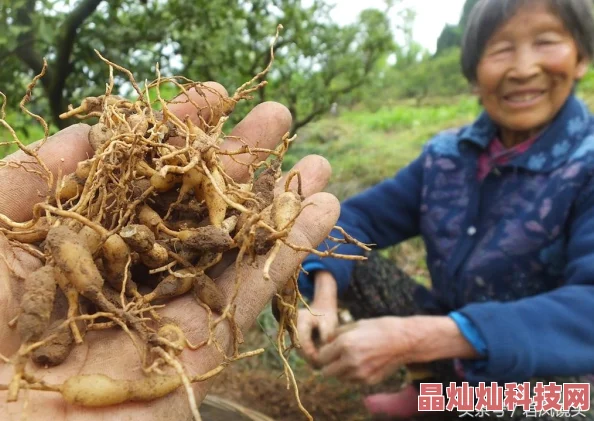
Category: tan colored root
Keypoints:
(287, 367)
(146, 215)
(185, 380)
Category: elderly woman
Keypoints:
(505, 207)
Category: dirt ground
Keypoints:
(262, 386)
(266, 391)
(259, 383)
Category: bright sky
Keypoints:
(431, 17)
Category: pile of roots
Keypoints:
(139, 223)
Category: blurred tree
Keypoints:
(433, 76)
(65, 34)
(228, 41)
(451, 35)
(317, 61)
(31, 28)
(409, 51)
(413, 71)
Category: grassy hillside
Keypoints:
(365, 147)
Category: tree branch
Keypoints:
(65, 45)
(306, 120)
(56, 75)
(25, 49)
(319, 109)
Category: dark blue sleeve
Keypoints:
(381, 216)
(547, 334)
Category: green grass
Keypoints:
(407, 116)
(365, 147)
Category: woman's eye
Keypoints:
(501, 50)
(498, 48)
(548, 38)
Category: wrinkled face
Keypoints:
(527, 71)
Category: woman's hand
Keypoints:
(315, 327)
(367, 351)
(370, 350)
(111, 352)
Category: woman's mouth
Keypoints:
(523, 98)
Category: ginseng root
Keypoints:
(150, 217)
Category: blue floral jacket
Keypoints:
(513, 254)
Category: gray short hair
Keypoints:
(488, 15)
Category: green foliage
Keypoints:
(451, 35)
(317, 61)
(586, 84)
(406, 117)
(364, 147)
(409, 52)
(438, 75)
(270, 358)
(27, 131)
(427, 77)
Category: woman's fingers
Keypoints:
(330, 352)
(337, 369)
(328, 325)
(342, 329)
(21, 189)
(305, 327)
(264, 127)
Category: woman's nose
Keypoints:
(525, 64)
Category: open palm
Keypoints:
(111, 352)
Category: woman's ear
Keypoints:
(582, 67)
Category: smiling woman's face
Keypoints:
(527, 71)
